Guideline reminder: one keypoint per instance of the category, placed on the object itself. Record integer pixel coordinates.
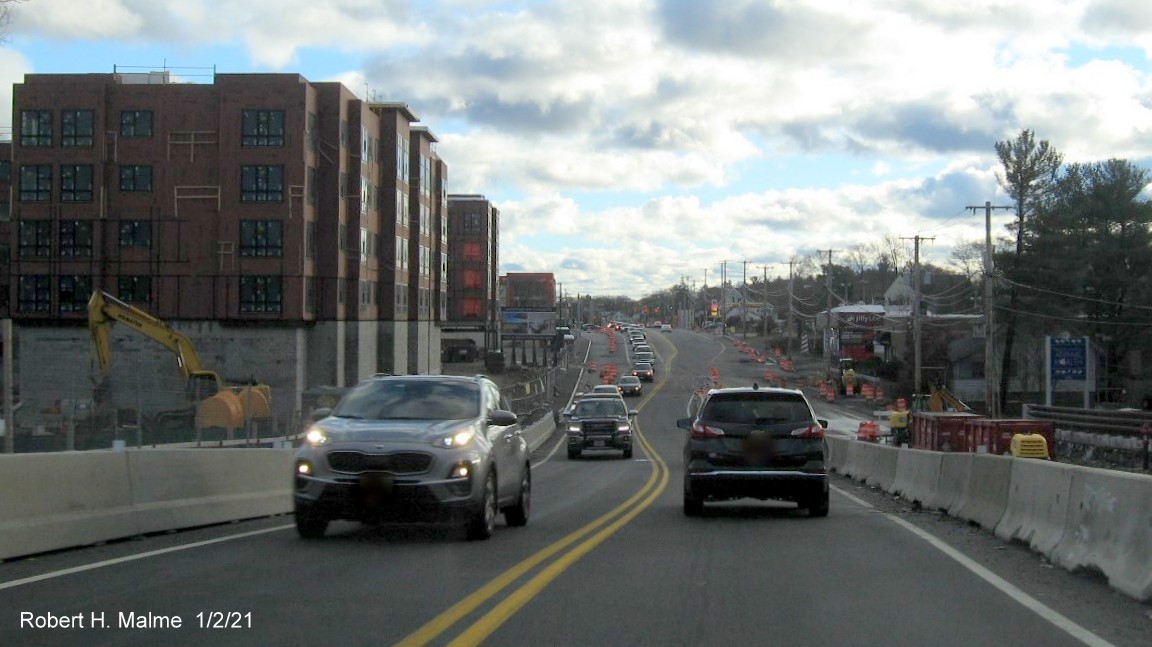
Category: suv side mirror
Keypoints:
(823, 423)
(501, 418)
(632, 413)
(684, 423)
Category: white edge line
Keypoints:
(131, 558)
(1039, 608)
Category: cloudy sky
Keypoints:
(629, 143)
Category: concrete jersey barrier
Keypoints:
(917, 474)
(952, 486)
(60, 500)
(1109, 527)
(1037, 512)
(986, 497)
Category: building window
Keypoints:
(471, 307)
(5, 171)
(35, 293)
(343, 133)
(341, 288)
(342, 237)
(472, 252)
(262, 128)
(472, 280)
(311, 188)
(136, 123)
(310, 294)
(134, 289)
(261, 238)
(365, 296)
(365, 245)
(75, 238)
(5, 211)
(35, 239)
(36, 183)
(74, 293)
(343, 185)
(135, 233)
(262, 184)
(35, 127)
(261, 294)
(76, 183)
(473, 223)
(136, 178)
(312, 133)
(403, 149)
(310, 240)
(76, 128)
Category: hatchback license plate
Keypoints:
(375, 488)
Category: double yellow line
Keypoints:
(585, 539)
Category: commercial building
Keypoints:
(473, 270)
(296, 233)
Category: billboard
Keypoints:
(525, 323)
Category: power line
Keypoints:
(1079, 320)
(1073, 296)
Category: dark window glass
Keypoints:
(135, 233)
(412, 399)
(35, 293)
(261, 238)
(262, 184)
(75, 238)
(76, 127)
(136, 123)
(74, 293)
(5, 171)
(310, 241)
(35, 239)
(76, 183)
(260, 294)
(312, 134)
(311, 189)
(342, 234)
(136, 178)
(134, 289)
(473, 223)
(35, 127)
(262, 128)
(36, 183)
(5, 211)
(757, 408)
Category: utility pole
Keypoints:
(744, 303)
(791, 329)
(990, 390)
(723, 297)
(764, 308)
(916, 336)
(828, 311)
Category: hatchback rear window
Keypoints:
(757, 408)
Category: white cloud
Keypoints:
(13, 67)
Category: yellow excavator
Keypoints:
(217, 404)
(938, 399)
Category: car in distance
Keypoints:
(629, 385)
(600, 423)
(666, 328)
(416, 448)
(752, 442)
(643, 371)
(605, 388)
(644, 357)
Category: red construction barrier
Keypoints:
(868, 391)
(869, 431)
(942, 431)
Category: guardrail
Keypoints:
(1101, 421)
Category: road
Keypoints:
(607, 559)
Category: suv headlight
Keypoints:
(572, 429)
(316, 437)
(457, 439)
(623, 427)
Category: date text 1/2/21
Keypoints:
(224, 620)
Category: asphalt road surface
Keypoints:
(607, 559)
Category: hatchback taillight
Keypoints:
(701, 431)
(812, 432)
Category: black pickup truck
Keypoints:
(598, 423)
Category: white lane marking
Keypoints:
(1039, 608)
(131, 558)
(858, 501)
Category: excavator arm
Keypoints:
(104, 309)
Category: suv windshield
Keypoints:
(596, 408)
(757, 408)
(411, 400)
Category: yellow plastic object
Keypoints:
(221, 410)
(898, 419)
(1029, 446)
(258, 399)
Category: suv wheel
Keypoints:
(628, 453)
(484, 523)
(573, 454)
(818, 507)
(517, 515)
(310, 525)
(693, 506)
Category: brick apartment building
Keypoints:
(297, 234)
(473, 270)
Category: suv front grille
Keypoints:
(600, 426)
(395, 463)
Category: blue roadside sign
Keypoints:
(1069, 358)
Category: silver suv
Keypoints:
(754, 442)
(424, 448)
